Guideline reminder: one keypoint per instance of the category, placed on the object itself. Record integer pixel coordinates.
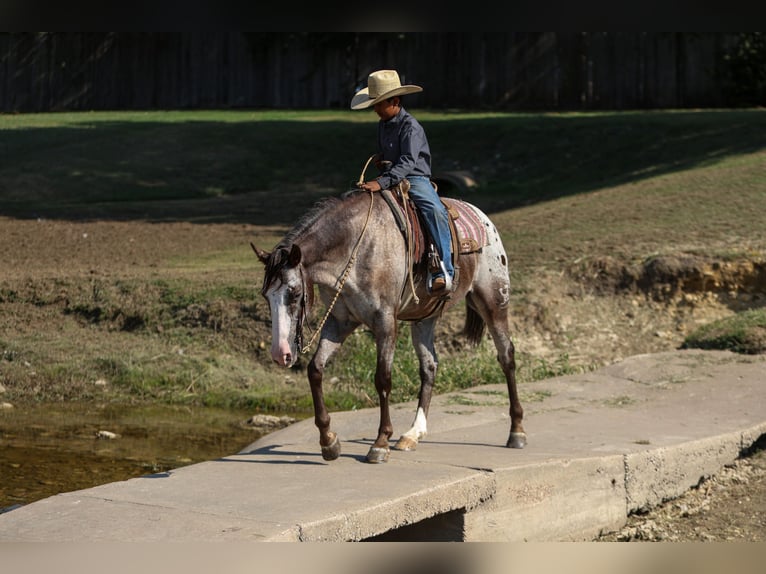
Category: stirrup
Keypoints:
(447, 279)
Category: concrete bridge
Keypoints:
(601, 445)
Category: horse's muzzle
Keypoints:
(282, 355)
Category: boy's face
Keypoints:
(387, 109)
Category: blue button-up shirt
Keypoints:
(402, 141)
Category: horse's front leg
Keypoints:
(386, 341)
(423, 341)
(328, 440)
(333, 335)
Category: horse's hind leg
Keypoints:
(517, 438)
(495, 317)
(333, 336)
(423, 341)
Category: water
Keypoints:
(50, 449)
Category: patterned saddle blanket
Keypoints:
(471, 232)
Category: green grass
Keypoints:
(125, 157)
(518, 159)
(744, 332)
(355, 367)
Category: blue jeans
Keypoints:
(435, 216)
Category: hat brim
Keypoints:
(362, 99)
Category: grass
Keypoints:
(744, 332)
(190, 326)
(355, 364)
(518, 159)
(560, 186)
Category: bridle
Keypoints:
(303, 314)
(270, 277)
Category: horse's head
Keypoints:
(284, 287)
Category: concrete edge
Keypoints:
(655, 476)
(553, 501)
(394, 514)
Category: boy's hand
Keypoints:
(370, 185)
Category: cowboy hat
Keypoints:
(381, 85)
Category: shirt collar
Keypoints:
(397, 119)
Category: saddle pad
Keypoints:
(472, 235)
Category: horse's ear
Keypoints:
(295, 255)
(261, 254)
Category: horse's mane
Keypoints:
(280, 253)
(315, 213)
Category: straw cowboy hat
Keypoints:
(381, 85)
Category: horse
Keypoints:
(351, 247)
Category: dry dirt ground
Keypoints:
(730, 506)
(571, 312)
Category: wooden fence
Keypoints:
(51, 71)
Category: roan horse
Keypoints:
(351, 247)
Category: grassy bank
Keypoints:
(130, 277)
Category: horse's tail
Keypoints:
(474, 326)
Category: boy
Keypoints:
(403, 152)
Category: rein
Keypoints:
(346, 271)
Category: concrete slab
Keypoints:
(559, 500)
(601, 445)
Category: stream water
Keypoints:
(49, 449)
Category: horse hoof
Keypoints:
(406, 443)
(517, 440)
(332, 450)
(377, 455)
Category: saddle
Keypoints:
(467, 232)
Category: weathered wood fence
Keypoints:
(51, 71)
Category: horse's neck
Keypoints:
(328, 244)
